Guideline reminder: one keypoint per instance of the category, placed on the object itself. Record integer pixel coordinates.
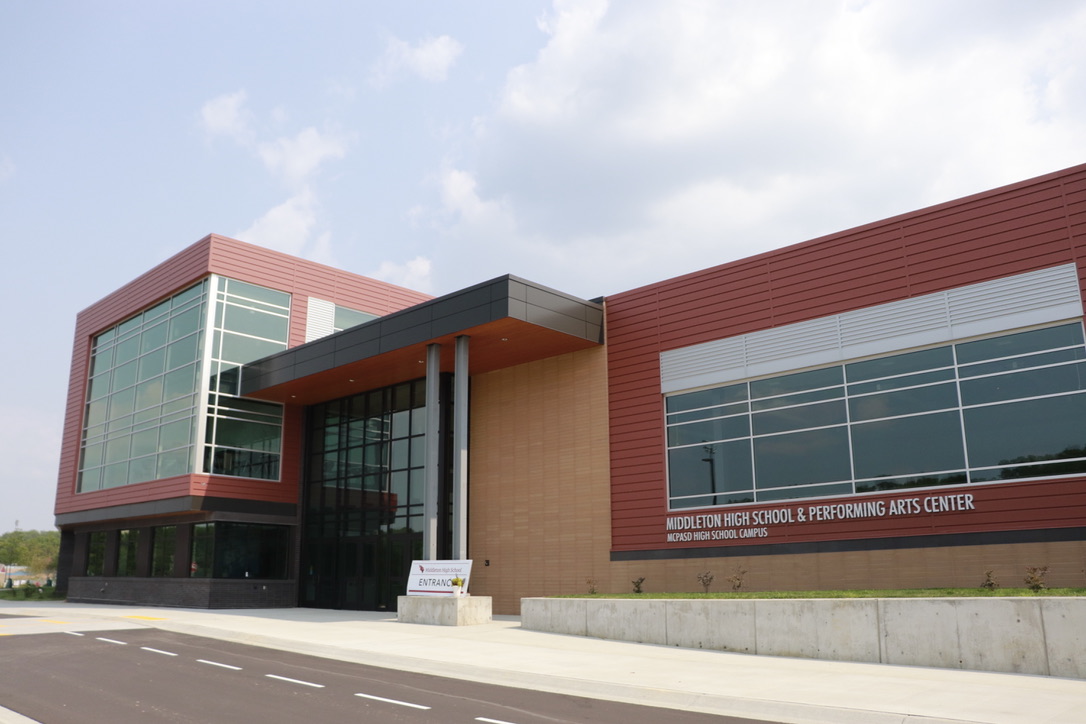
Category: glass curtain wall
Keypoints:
(140, 416)
(364, 492)
(243, 437)
(988, 410)
(152, 375)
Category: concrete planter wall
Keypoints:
(1045, 636)
(444, 610)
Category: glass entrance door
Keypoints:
(363, 500)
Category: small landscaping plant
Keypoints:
(990, 583)
(1035, 578)
(593, 585)
(637, 584)
(736, 579)
(706, 580)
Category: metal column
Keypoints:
(460, 451)
(433, 449)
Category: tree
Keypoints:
(38, 550)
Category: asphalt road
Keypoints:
(146, 675)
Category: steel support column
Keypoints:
(433, 449)
(460, 451)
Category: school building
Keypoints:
(898, 405)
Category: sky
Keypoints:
(588, 146)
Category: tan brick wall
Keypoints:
(957, 566)
(539, 479)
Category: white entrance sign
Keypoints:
(435, 578)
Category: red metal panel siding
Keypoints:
(237, 260)
(1019, 228)
(158, 283)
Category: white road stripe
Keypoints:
(492, 721)
(112, 641)
(216, 663)
(158, 651)
(295, 681)
(393, 701)
(74, 633)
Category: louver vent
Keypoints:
(320, 320)
(1046, 295)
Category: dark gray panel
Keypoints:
(357, 335)
(315, 365)
(556, 302)
(458, 302)
(406, 337)
(258, 378)
(280, 361)
(499, 288)
(356, 352)
(314, 350)
(411, 317)
(558, 322)
(464, 319)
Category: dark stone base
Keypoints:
(184, 592)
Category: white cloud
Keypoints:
(661, 137)
(413, 274)
(460, 198)
(296, 159)
(429, 59)
(226, 115)
(287, 227)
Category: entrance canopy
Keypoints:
(510, 321)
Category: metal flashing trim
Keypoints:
(1022, 300)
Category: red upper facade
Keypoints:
(1019, 228)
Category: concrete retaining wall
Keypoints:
(1045, 636)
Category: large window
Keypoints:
(239, 550)
(163, 548)
(128, 542)
(139, 422)
(365, 486)
(151, 375)
(1001, 408)
(346, 318)
(96, 553)
(244, 436)
(366, 468)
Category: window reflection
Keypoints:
(899, 424)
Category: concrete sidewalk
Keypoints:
(797, 691)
